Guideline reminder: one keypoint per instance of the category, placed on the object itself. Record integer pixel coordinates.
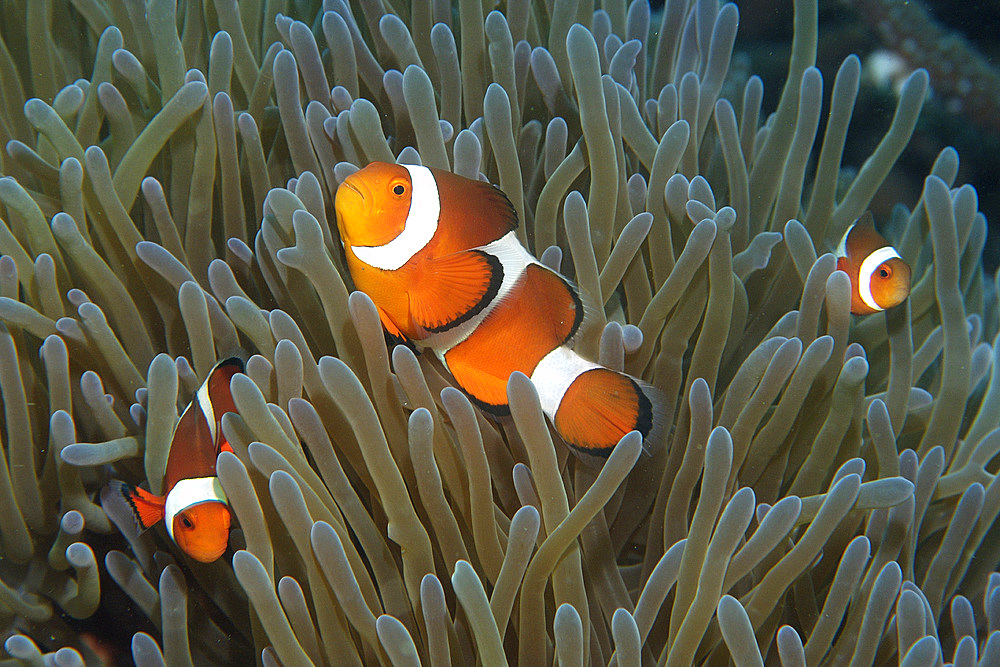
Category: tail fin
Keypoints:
(601, 405)
(144, 508)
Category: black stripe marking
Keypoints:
(644, 412)
(392, 340)
(128, 491)
(489, 408)
(511, 211)
(577, 310)
(599, 452)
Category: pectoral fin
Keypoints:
(450, 290)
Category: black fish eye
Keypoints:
(186, 522)
(883, 272)
(398, 190)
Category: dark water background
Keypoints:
(953, 40)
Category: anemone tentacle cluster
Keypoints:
(825, 490)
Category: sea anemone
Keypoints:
(825, 489)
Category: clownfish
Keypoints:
(194, 508)
(880, 278)
(438, 255)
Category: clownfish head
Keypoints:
(202, 530)
(372, 204)
(890, 282)
(880, 278)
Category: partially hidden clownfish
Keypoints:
(194, 508)
(880, 279)
(438, 255)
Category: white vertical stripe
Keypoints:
(554, 374)
(207, 409)
(514, 259)
(868, 268)
(842, 246)
(419, 228)
(189, 492)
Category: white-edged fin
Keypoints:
(189, 492)
(868, 268)
(420, 226)
(555, 373)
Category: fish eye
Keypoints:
(398, 189)
(187, 523)
(884, 271)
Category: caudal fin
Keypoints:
(601, 405)
(141, 506)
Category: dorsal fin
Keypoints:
(473, 213)
(863, 238)
(197, 437)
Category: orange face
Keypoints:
(372, 204)
(890, 282)
(202, 530)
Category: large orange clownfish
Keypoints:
(438, 255)
(195, 509)
(880, 279)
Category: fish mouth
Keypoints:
(350, 186)
(349, 210)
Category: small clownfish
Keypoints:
(438, 255)
(195, 508)
(880, 279)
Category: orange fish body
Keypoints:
(194, 508)
(438, 255)
(880, 279)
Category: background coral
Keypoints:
(826, 489)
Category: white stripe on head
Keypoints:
(868, 268)
(189, 492)
(419, 228)
(554, 374)
(205, 403)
